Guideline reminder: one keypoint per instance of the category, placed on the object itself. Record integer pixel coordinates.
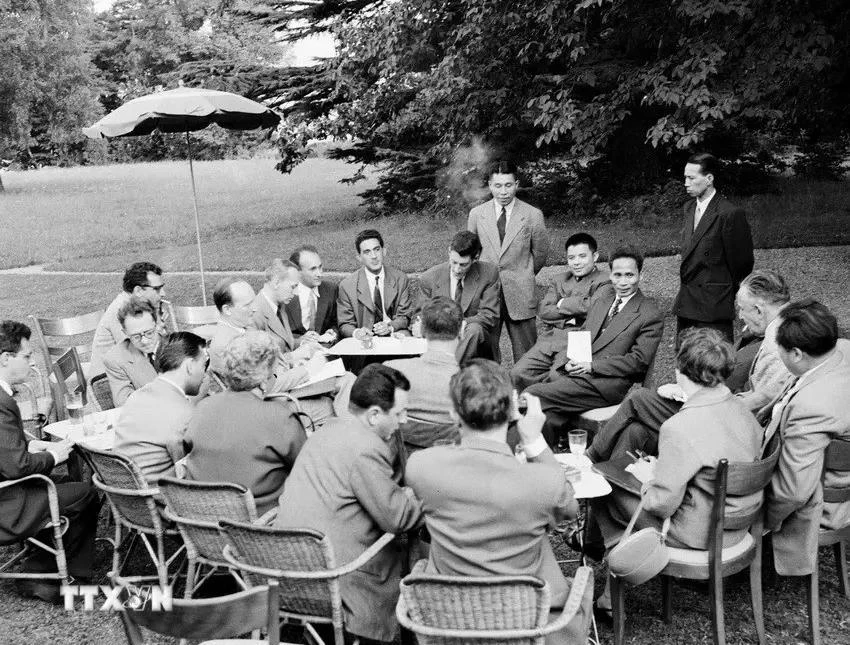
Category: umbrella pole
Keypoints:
(197, 222)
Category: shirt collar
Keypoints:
(488, 445)
(625, 299)
(305, 290)
(371, 276)
(509, 209)
(6, 387)
(174, 385)
(703, 204)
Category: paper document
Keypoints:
(578, 346)
(331, 369)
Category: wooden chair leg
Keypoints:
(757, 598)
(618, 609)
(718, 626)
(667, 598)
(840, 550)
(813, 600)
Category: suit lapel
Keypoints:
(294, 311)
(283, 319)
(363, 294)
(705, 223)
(443, 283)
(487, 225)
(470, 284)
(596, 316)
(514, 225)
(390, 292)
(620, 322)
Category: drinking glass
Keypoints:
(578, 441)
(74, 405)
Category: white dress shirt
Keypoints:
(304, 295)
(370, 279)
(702, 204)
(623, 302)
(6, 388)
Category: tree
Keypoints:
(609, 91)
(48, 89)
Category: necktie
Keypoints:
(501, 222)
(152, 361)
(378, 301)
(614, 311)
(697, 215)
(459, 293)
(311, 309)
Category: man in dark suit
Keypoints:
(25, 510)
(475, 287)
(717, 252)
(513, 237)
(312, 312)
(376, 297)
(625, 329)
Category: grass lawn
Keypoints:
(104, 218)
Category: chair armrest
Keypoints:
(52, 496)
(14, 482)
(129, 492)
(583, 577)
(267, 518)
(367, 555)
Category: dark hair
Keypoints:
(628, 252)
(376, 385)
(809, 326)
(767, 285)
(368, 234)
(134, 308)
(441, 319)
(705, 357)
(137, 275)
(581, 238)
(466, 244)
(502, 167)
(221, 293)
(295, 258)
(708, 163)
(12, 333)
(482, 394)
(177, 347)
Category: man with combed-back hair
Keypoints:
(130, 364)
(344, 486)
(487, 513)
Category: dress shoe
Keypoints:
(47, 591)
(593, 550)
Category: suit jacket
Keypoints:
(107, 334)
(489, 514)
(240, 438)
(715, 258)
(480, 300)
(817, 411)
(622, 353)
(768, 374)
(342, 485)
(22, 509)
(151, 426)
(274, 321)
(325, 311)
(354, 306)
(712, 425)
(574, 296)
(127, 370)
(519, 256)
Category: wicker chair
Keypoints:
(304, 563)
(444, 610)
(220, 617)
(55, 335)
(57, 522)
(836, 458)
(196, 508)
(715, 563)
(134, 507)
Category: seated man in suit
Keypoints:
(343, 485)
(475, 287)
(429, 418)
(813, 411)
(130, 364)
(625, 329)
(154, 419)
(24, 510)
(312, 313)
(487, 513)
(760, 300)
(143, 280)
(376, 297)
(568, 298)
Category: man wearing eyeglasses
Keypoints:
(142, 280)
(130, 364)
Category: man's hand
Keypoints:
(643, 469)
(575, 368)
(382, 329)
(531, 423)
(311, 336)
(672, 391)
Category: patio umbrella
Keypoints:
(185, 109)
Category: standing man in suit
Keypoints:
(154, 419)
(513, 237)
(487, 513)
(312, 314)
(814, 411)
(131, 363)
(24, 510)
(475, 287)
(376, 297)
(625, 330)
(343, 485)
(717, 252)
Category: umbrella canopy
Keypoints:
(184, 109)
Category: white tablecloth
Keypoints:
(101, 441)
(383, 346)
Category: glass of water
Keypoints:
(74, 405)
(578, 441)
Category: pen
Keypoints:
(632, 455)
